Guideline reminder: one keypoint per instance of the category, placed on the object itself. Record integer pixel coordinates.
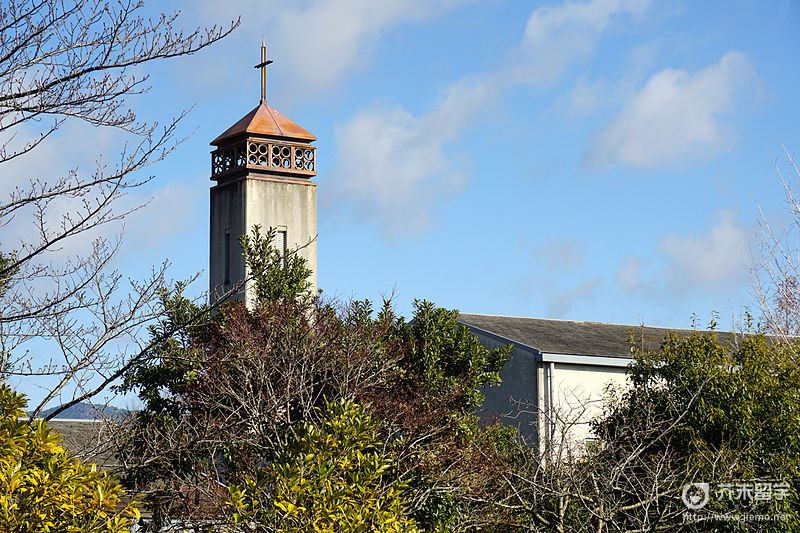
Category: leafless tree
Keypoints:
(233, 392)
(694, 412)
(71, 318)
(627, 481)
(775, 266)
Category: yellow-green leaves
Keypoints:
(43, 490)
(330, 478)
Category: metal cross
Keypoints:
(263, 67)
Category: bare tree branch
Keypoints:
(70, 318)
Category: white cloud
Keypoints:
(629, 274)
(611, 89)
(393, 166)
(559, 256)
(171, 210)
(321, 41)
(62, 151)
(83, 148)
(676, 117)
(583, 99)
(560, 303)
(555, 36)
(712, 261)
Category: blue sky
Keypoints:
(600, 161)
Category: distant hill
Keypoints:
(86, 411)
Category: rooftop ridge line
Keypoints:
(602, 323)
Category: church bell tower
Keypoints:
(262, 166)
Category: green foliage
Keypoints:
(277, 277)
(725, 415)
(332, 476)
(169, 361)
(742, 404)
(221, 397)
(42, 489)
(447, 360)
(459, 478)
(161, 377)
(440, 512)
(6, 271)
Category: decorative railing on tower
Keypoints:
(264, 154)
(264, 141)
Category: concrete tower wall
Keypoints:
(290, 205)
(227, 217)
(263, 164)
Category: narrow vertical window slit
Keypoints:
(227, 257)
(280, 245)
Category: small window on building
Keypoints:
(227, 257)
(591, 444)
(280, 244)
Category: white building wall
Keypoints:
(580, 392)
(579, 385)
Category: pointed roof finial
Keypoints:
(263, 67)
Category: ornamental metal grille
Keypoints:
(263, 154)
(226, 159)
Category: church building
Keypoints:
(262, 166)
(560, 370)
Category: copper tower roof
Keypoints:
(264, 120)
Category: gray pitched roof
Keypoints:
(577, 338)
(88, 440)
